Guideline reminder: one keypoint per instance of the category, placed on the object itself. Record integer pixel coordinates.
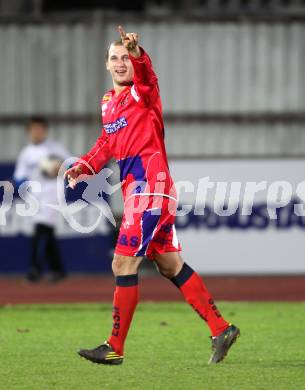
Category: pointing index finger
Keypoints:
(122, 32)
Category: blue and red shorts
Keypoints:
(148, 227)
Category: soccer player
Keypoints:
(133, 133)
(40, 161)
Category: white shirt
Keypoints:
(28, 168)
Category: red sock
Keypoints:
(196, 294)
(126, 297)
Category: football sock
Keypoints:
(126, 297)
(196, 294)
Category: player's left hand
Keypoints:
(130, 41)
(73, 175)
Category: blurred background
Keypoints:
(232, 81)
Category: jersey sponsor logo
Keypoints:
(132, 241)
(113, 127)
(106, 98)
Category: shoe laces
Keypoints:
(102, 346)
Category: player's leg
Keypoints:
(135, 235)
(53, 256)
(126, 296)
(197, 295)
(125, 300)
(136, 232)
(35, 272)
(192, 288)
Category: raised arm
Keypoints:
(145, 79)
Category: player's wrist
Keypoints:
(135, 52)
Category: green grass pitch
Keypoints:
(167, 348)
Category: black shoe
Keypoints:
(34, 276)
(222, 343)
(103, 354)
(55, 277)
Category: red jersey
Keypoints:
(133, 134)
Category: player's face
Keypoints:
(119, 65)
(37, 132)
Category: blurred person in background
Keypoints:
(40, 161)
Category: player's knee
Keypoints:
(118, 265)
(123, 265)
(168, 271)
